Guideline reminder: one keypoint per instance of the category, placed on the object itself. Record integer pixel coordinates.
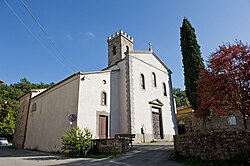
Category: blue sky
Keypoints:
(80, 29)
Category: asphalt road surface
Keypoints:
(145, 155)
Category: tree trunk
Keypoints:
(203, 124)
(244, 121)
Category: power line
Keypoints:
(47, 35)
(35, 35)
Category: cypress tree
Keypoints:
(192, 61)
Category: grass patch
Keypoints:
(238, 160)
(103, 155)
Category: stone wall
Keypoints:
(110, 145)
(19, 135)
(214, 145)
(214, 123)
(222, 123)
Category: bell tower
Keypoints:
(119, 45)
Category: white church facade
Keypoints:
(133, 95)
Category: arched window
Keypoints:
(127, 49)
(114, 50)
(154, 79)
(104, 98)
(33, 108)
(164, 89)
(142, 81)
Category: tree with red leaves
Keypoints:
(224, 88)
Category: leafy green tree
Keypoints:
(192, 61)
(181, 98)
(77, 142)
(8, 117)
(25, 85)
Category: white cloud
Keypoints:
(68, 37)
(90, 35)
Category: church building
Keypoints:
(132, 95)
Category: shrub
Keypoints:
(77, 142)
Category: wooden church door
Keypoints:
(157, 124)
(103, 127)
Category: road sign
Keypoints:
(72, 117)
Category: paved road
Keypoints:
(145, 155)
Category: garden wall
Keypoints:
(213, 123)
(222, 123)
(214, 145)
(110, 145)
